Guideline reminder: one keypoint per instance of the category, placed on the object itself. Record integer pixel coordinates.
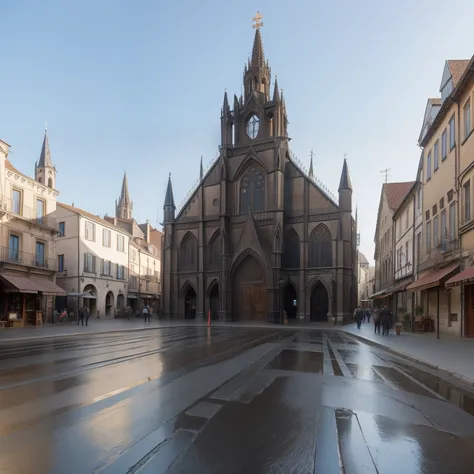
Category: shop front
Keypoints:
(436, 311)
(25, 301)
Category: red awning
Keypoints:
(434, 279)
(48, 288)
(20, 284)
(466, 277)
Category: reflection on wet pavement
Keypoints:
(227, 400)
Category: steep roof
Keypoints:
(345, 182)
(92, 217)
(45, 156)
(396, 193)
(457, 68)
(258, 56)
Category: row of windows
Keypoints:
(90, 266)
(18, 208)
(89, 234)
(432, 160)
(16, 255)
(134, 283)
(403, 255)
(438, 231)
(319, 250)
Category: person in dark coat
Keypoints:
(386, 320)
(358, 316)
(81, 315)
(377, 321)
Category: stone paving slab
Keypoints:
(449, 353)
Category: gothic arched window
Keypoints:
(214, 252)
(291, 250)
(188, 253)
(320, 247)
(252, 190)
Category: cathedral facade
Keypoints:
(259, 237)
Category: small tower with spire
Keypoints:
(345, 189)
(124, 205)
(169, 208)
(45, 171)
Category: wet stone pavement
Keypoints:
(226, 400)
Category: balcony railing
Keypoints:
(25, 212)
(17, 257)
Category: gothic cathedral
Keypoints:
(259, 237)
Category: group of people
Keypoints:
(381, 317)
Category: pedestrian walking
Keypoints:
(368, 313)
(146, 313)
(386, 320)
(376, 321)
(81, 316)
(87, 313)
(359, 316)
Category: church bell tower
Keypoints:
(258, 115)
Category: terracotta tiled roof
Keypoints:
(435, 101)
(457, 68)
(396, 193)
(90, 216)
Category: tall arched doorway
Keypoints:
(290, 301)
(190, 303)
(249, 291)
(214, 301)
(91, 300)
(319, 304)
(109, 304)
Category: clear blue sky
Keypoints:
(138, 86)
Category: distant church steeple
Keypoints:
(45, 171)
(124, 205)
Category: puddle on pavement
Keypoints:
(452, 393)
(300, 361)
(363, 372)
(400, 446)
(402, 382)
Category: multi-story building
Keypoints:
(446, 212)
(27, 230)
(391, 197)
(463, 104)
(404, 252)
(93, 257)
(144, 254)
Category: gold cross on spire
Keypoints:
(257, 21)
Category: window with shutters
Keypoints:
(320, 247)
(291, 250)
(89, 262)
(188, 253)
(89, 231)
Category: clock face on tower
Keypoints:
(253, 126)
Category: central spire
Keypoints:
(258, 56)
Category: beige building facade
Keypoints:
(445, 246)
(391, 196)
(144, 265)
(28, 262)
(93, 259)
(404, 267)
(259, 236)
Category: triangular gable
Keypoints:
(249, 240)
(295, 171)
(446, 75)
